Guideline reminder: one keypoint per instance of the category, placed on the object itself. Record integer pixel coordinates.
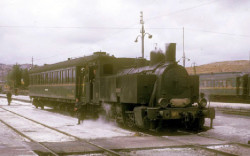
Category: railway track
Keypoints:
(48, 149)
(212, 148)
(208, 147)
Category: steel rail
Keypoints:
(201, 146)
(65, 133)
(147, 134)
(27, 137)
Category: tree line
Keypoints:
(18, 77)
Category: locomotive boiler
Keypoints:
(137, 92)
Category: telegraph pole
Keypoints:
(32, 62)
(249, 62)
(142, 35)
(155, 46)
(194, 68)
(184, 57)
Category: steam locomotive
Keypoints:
(138, 92)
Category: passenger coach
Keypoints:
(227, 86)
(60, 84)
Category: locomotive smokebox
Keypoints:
(170, 52)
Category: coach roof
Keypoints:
(69, 63)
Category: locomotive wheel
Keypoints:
(130, 120)
(188, 125)
(198, 123)
(188, 121)
(146, 122)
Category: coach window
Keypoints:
(61, 73)
(58, 77)
(49, 76)
(68, 75)
(41, 82)
(224, 83)
(215, 83)
(46, 78)
(221, 83)
(42, 78)
(73, 75)
(61, 76)
(38, 79)
(202, 83)
(34, 79)
(65, 76)
(229, 83)
(55, 77)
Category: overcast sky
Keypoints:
(54, 30)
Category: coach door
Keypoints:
(80, 83)
(89, 82)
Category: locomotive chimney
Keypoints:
(170, 52)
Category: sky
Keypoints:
(51, 31)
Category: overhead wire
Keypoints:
(179, 11)
(214, 32)
(127, 27)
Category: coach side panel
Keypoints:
(58, 84)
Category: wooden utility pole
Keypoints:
(184, 57)
(142, 35)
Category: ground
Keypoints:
(227, 128)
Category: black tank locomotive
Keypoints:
(137, 92)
